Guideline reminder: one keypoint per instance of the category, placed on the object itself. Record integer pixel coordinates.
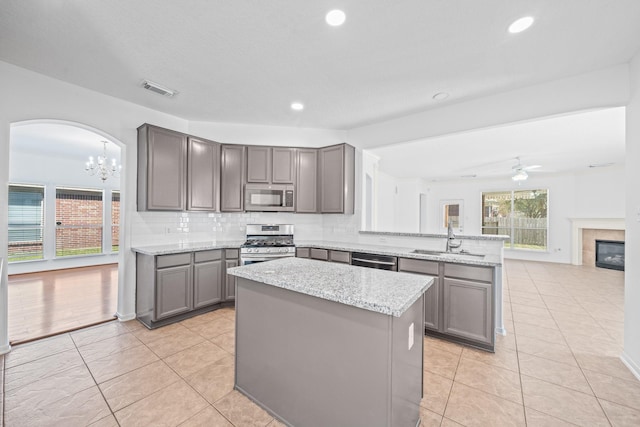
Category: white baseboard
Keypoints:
(501, 331)
(633, 366)
(5, 349)
(125, 317)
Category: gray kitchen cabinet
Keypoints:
(203, 177)
(207, 278)
(307, 181)
(231, 260)
(343, 257)
(173, 287)
(337, 178)
(259, 164)
(303, 252)
(468, 303)
(232, 175)
(319, 254)
(467, 310)
(173, 293)
(283, 169)
(432, 295)
(271, 165)
(162, 166)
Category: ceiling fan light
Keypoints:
(520, 175)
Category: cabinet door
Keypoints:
(203, 177)
(307, 181)
(467, 310)
(163, 161)
(173, 291)
(432, 295)
(283, 165)
(230, 288)
(207, 283)
(331, 164)
(259, 164)
(231, 178)
(432, 306)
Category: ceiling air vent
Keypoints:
(155, 87)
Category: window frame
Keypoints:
(43, 221)
(509, 244)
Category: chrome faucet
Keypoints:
(451, 243)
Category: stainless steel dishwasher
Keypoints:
(381, 262)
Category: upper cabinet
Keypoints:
(232, 178)
(179, 172)
(176, 172)
(203, 182)
(336, 165)
(162, 169)
(307, 181)
(270, 165)
(283, 170)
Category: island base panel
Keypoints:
(313, 362)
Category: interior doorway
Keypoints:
(64, 228)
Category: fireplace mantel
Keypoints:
(577, 224)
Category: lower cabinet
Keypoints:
(173, 291)
(172, 287)
(230, 260)
(207, 278)
(467, 311)
(432, 296)
(459, 304)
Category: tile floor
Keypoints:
(558, 366)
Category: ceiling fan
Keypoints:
(519, 171)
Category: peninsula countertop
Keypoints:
(385, 292)
(182, 247)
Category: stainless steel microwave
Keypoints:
(268, 197)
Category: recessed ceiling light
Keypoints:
(520, 25)
(335, 18)
(297, 106)
(600, 165)
(440, 96)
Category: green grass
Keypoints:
(25, 257)
(77, 252)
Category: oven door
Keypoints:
(253, 259)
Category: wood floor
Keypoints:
(50, 302)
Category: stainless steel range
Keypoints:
(266, 242)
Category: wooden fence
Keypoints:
(527, 232)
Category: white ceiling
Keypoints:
(245, 61)
(567, 143)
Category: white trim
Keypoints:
(577, 224)
(125, 317)
(629, 363)
(5, 349)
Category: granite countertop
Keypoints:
(487, 261)
(176, 248)
(500, 237)
(386, 292)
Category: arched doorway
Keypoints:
(64, 228)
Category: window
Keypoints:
(26, 222)
(115, 221)
(522, 215)
(78, 222)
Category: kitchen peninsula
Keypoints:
(330, 344)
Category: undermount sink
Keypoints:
(463, 255)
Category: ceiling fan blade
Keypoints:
(528, 168)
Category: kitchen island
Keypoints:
(321, 344)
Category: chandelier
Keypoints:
(103, 167)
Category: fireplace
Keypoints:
(610, 254)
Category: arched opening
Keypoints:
(64, 227)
